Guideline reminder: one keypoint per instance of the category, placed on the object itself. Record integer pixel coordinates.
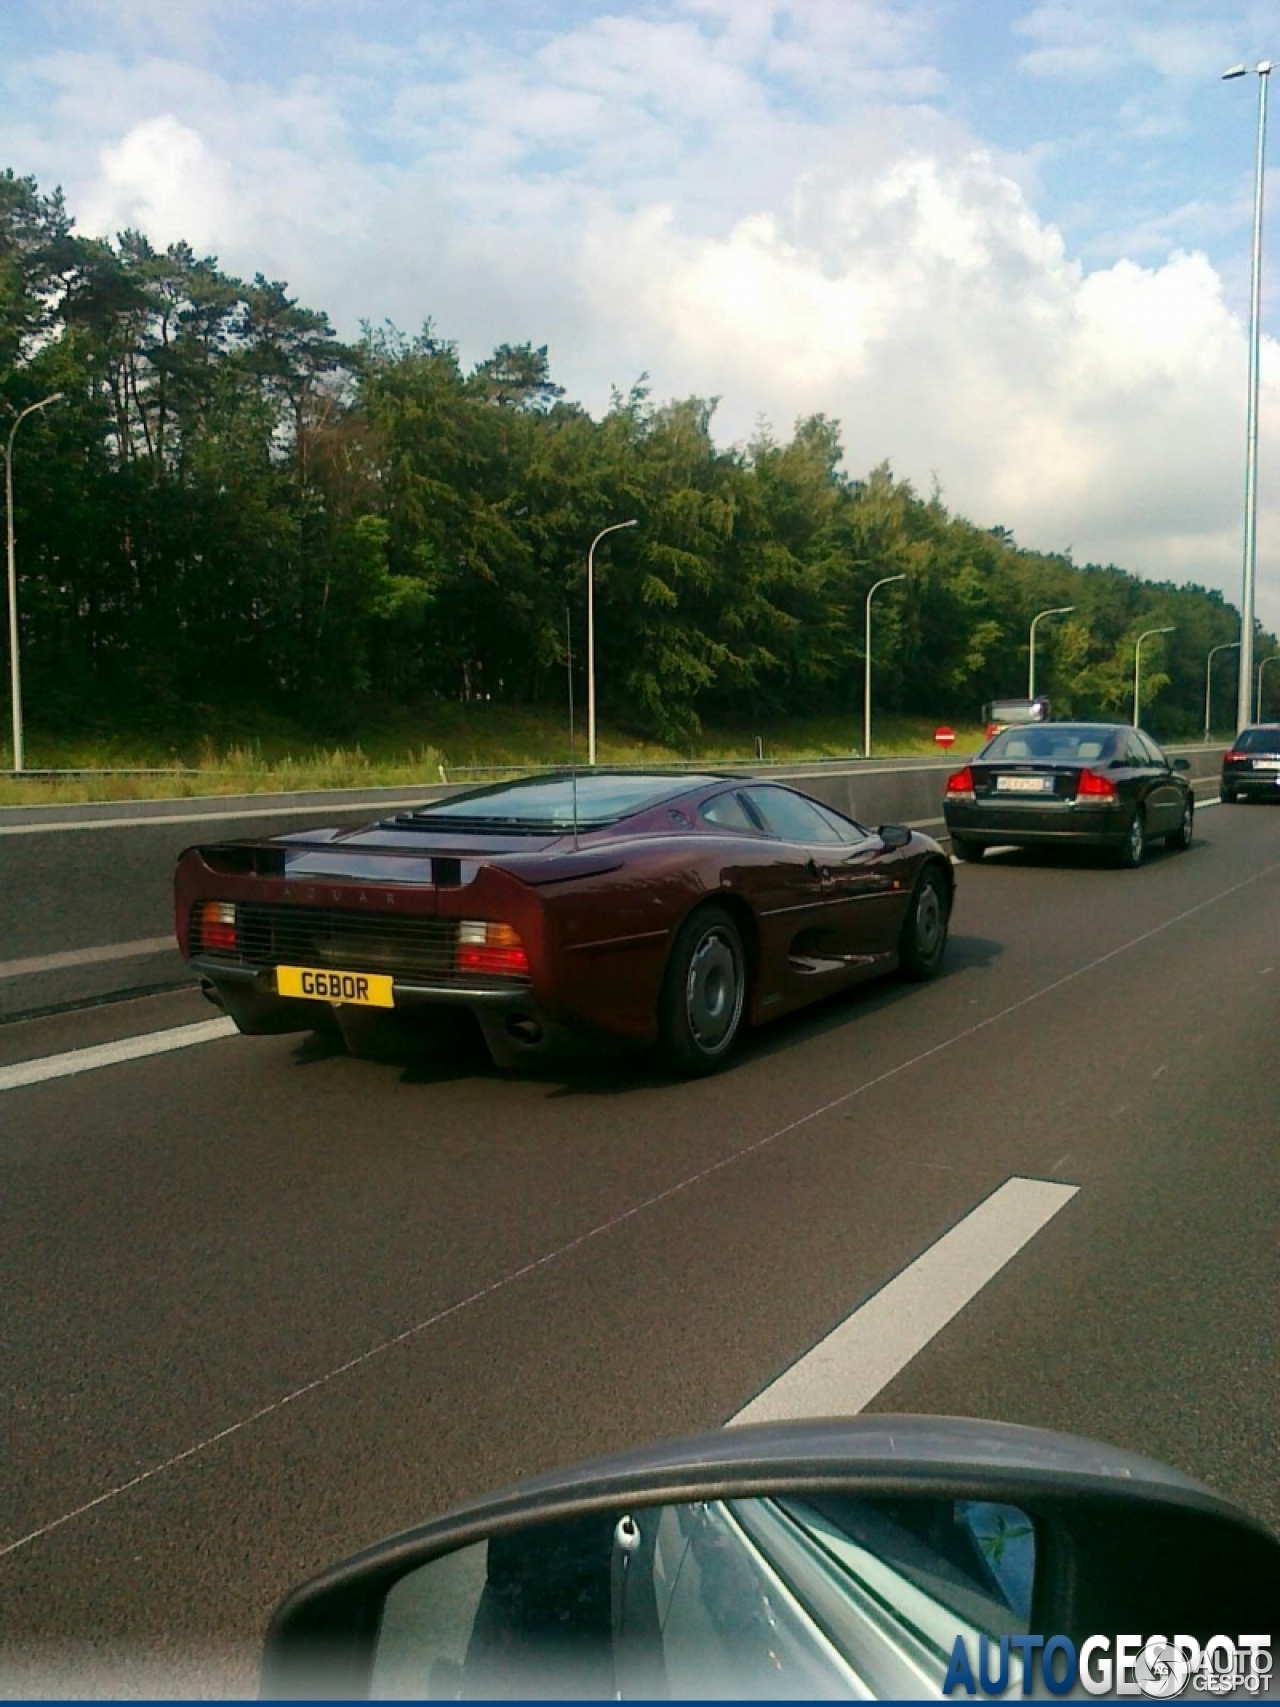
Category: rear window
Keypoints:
(1053, 743)
(1257, 741)
(550, 803)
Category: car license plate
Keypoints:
(1266, 764)
(1024, 785)
(314, 984)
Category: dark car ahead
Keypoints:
(1070, 784)
(641, 907)
(1251, 769)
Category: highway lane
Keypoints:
(579, 1262)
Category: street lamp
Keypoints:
(1137, 663)
(1226, 646)
(591, 634)
(1244, 711)
(866, 668)
(1261, 667)
(15, 671)
(1058, 610)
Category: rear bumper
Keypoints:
(509, 1016)
(1017, 825)
(1261, 785)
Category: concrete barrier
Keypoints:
(85, 897)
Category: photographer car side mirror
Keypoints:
(894, 835)
(870, 1557)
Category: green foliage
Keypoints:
(233, 511)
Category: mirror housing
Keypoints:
(894, 835)
(1182, 764)
(1123, 1544)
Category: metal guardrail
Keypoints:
(519, 767)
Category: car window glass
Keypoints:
(792, 818)
(1257, 741)
(728, 813)
(845, 828)
(1154, 755)
(1054, 743)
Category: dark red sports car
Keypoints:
(673, 909)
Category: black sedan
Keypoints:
(1071, 784)
(1251, 770)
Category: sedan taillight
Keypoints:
(1234, 758)
(960, 785)
(1098, 790)
(484, 946)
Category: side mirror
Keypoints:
(1182, 764)
(871, 1557)
(894, 835)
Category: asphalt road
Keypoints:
(263, 1305)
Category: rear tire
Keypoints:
(969, 852)
(1180, 839)
(923, 942)
(704, 993)
(1228, 796)
(1130, 852)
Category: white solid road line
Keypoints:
(87, 956)
(845, 1371)
(108, 1054)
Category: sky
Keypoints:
(1006, 243)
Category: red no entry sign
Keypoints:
(944, 736)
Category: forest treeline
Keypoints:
(231, 507)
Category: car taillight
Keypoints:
(960, 785)
(1233, 758)
(487, 947)
(993, 729)
(217, 925)
(1095, 788)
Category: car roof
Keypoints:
(1061, 728)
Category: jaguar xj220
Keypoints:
(667, 909)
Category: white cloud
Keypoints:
(162, 179)
(665, 192)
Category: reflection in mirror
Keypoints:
(821, 1597)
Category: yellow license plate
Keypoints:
(359, 989)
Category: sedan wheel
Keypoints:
(969, 852)
(924, 930)
(703, 993)
(1135, 842)
(1180, 839)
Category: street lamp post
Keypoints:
(1261, 667)
(1226, 646)
(1137, 663)
(866, 667)
(1244, 711)
(1058, 610)
(15, 668)
(591, 634)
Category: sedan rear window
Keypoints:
(1257, 741)
(1053, 743)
